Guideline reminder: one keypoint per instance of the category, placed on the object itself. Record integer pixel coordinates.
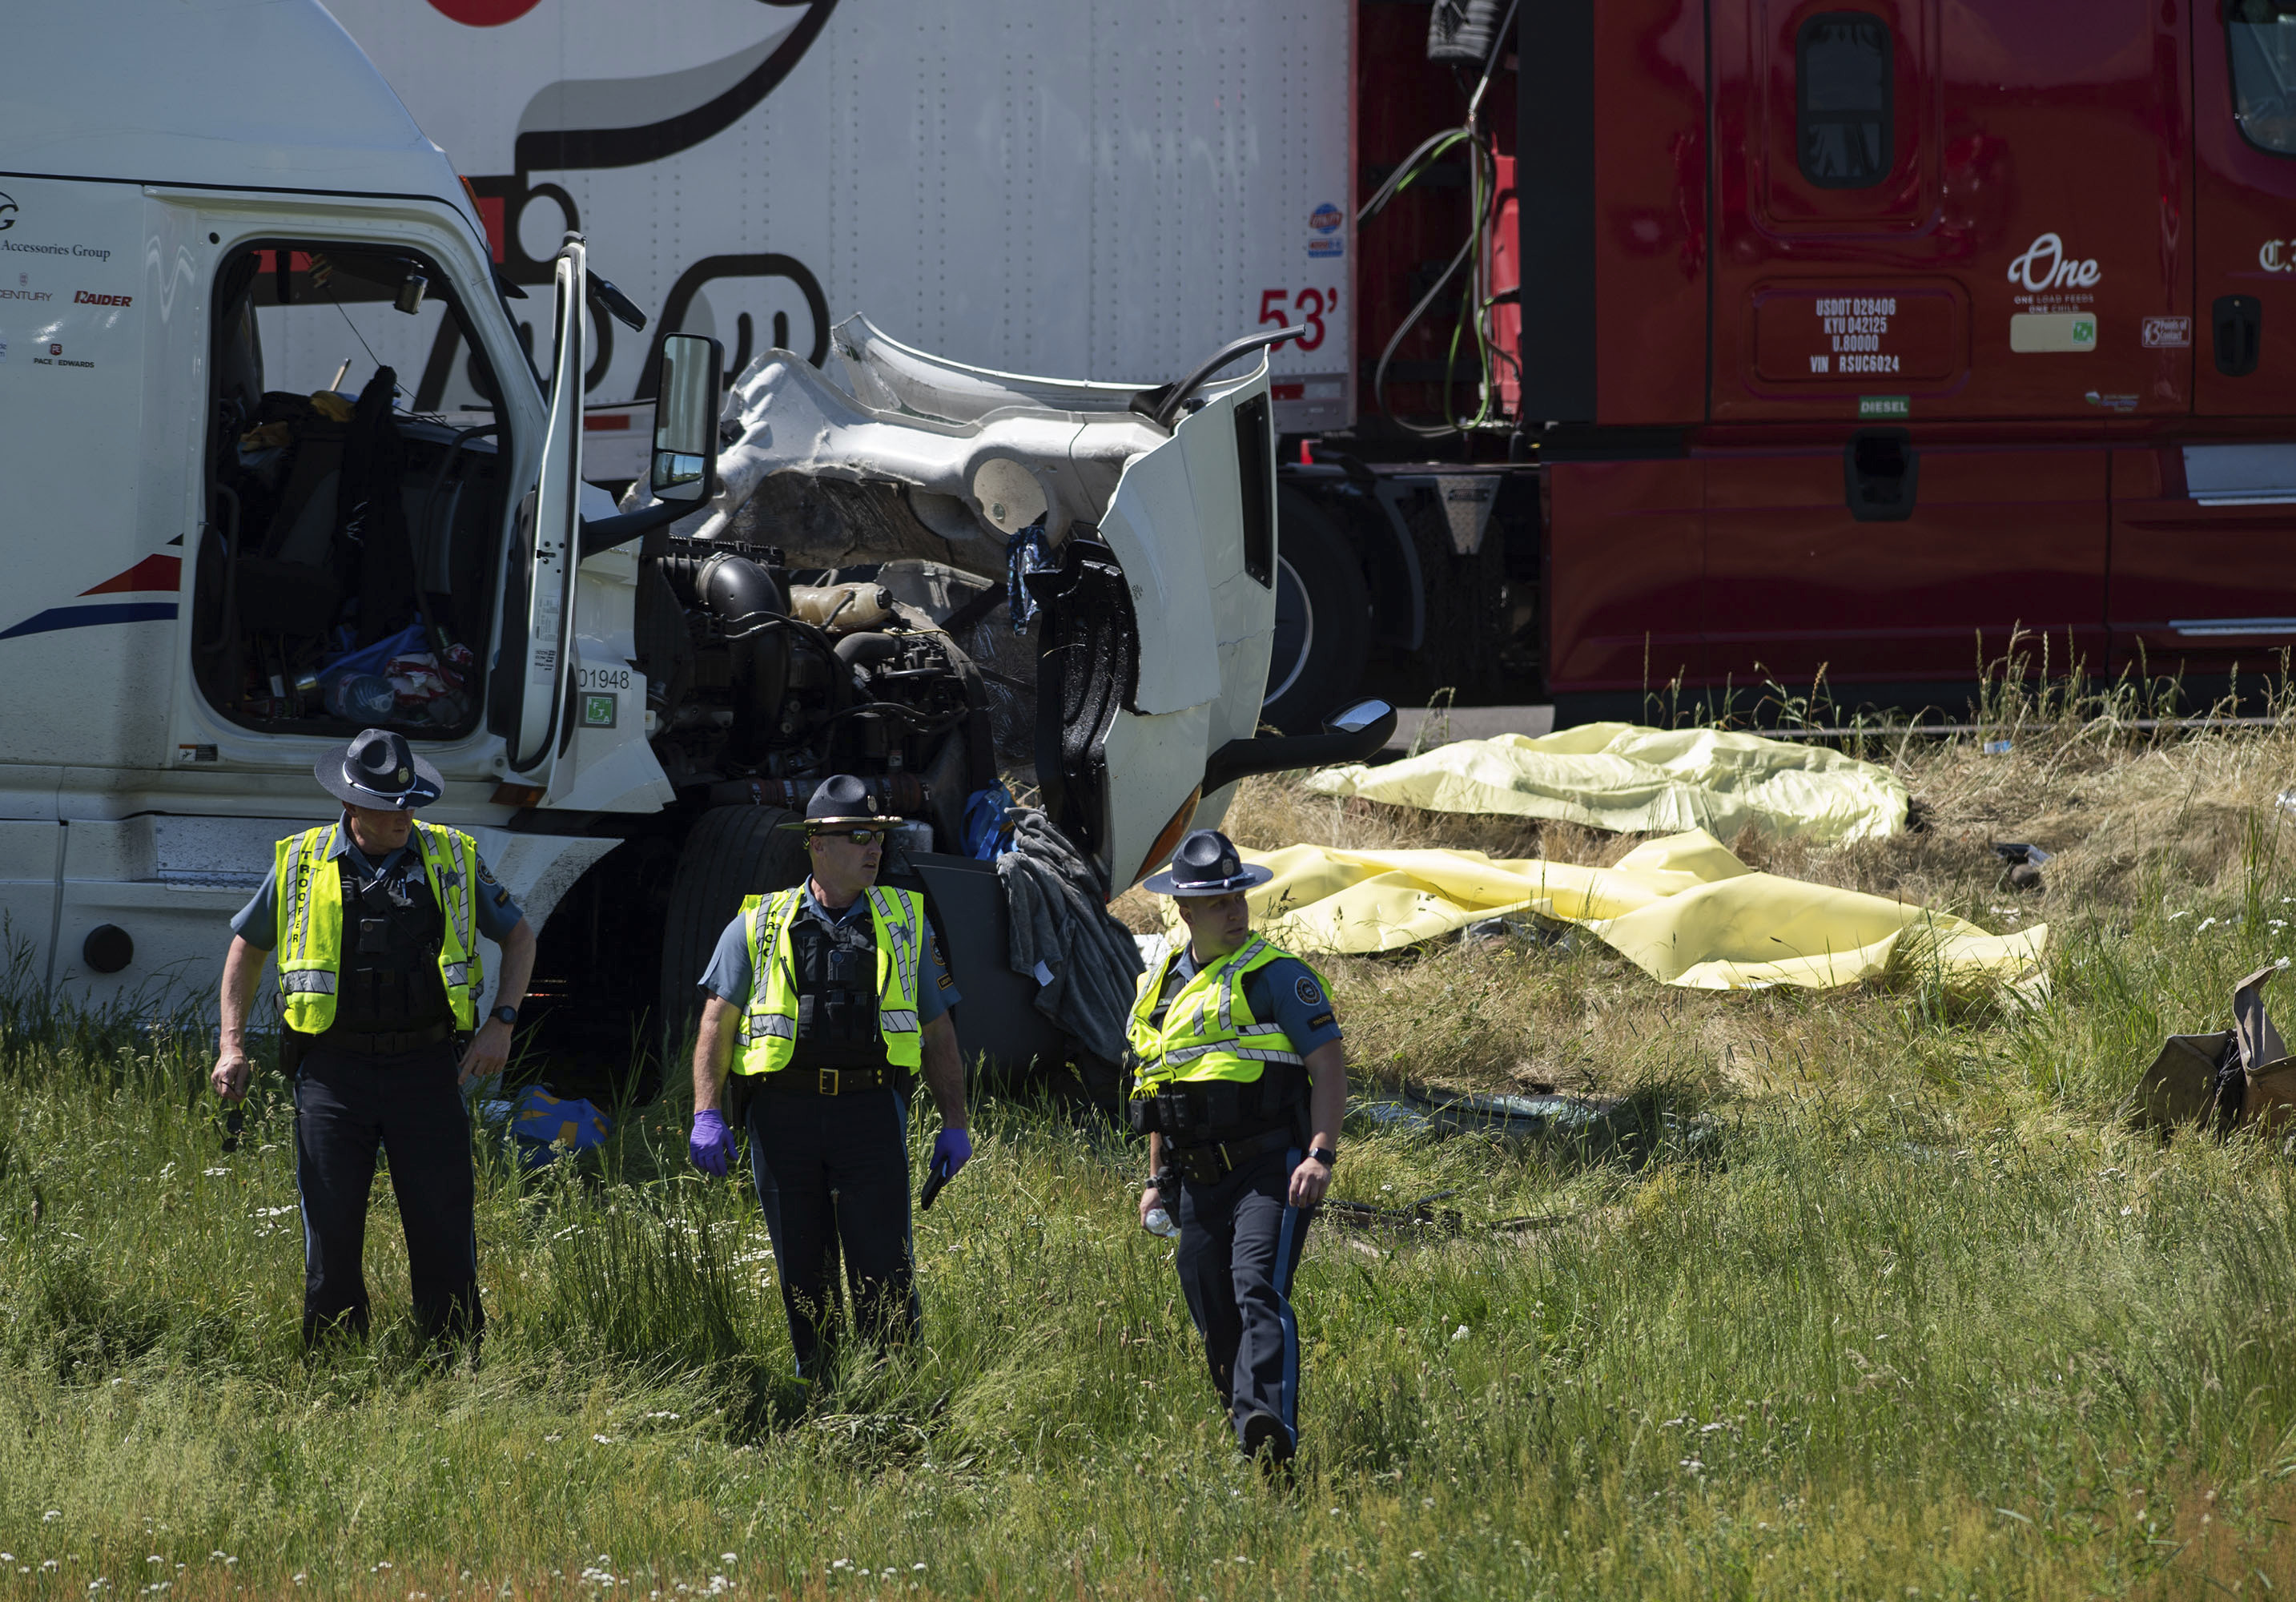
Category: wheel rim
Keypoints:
(1295, 633)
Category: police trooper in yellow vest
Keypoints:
(374, 919)
(1240, 1084)
(825, 999)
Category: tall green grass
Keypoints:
(1923, 1320)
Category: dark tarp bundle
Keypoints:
(2233, 1078)
(1086, 963)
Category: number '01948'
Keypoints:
(1283, 308)
(604, 678)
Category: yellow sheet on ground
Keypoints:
(1684, 909)
(1633, 780)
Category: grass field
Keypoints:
(1898, 1311)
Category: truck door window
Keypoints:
(2262, 42)
(347, 563)
(1842, 100)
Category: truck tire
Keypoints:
(1323, 617)
(732, 852)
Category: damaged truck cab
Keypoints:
(233, 542)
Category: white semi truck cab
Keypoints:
(226, 253)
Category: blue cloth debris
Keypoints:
(407, 642)
(988, 828)
(541, 1123)
(1025, 552)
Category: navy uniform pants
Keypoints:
(1239, 1243)
(833, 1176)
(347, 1108)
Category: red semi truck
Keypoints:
(1853, 335)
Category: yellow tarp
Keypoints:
(1684, 909)
(1643, 781)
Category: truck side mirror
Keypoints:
(685, 419)
(1354, 720)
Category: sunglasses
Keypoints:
(857, 836)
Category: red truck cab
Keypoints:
(1857, 334)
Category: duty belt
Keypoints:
(825, 1081)
(389, 1043)
(1205, 1111)
(1209, 1164)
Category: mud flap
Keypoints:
(999, 1032)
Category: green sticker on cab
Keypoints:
(598, 711)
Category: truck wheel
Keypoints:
(1323, 617)
(732, 852)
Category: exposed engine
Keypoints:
(761, 683)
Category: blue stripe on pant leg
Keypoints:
(302, 1203)
(909, 1236)
(1285, 1234)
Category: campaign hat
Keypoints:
(840, 801)
(1207, 864)
(377, 768)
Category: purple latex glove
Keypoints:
(952, 1150)
(712, 1144)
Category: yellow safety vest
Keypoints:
(1209, 1031)
(769, 1022)
(310, 946)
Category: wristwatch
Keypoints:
(1324, 1155)
(505, 1015)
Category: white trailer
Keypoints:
(1033, 186)
(221, 234)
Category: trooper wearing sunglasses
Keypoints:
(1240, 1083)
(824, 1000)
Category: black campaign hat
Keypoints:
(378, 769)
(1206, 865)
(842, 800)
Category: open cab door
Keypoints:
(534, 702)
(530, 695)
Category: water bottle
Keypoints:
(363, 698)
(1159, 1222)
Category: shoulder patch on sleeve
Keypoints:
(1322, 1020)
(486, 874)
(1309, 996)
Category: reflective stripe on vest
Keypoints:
(1209, 1032)
(769, 1021)
(309, 883)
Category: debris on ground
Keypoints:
(1684, 909)
(1541, 1115)
(2237, 1078)
(1421, 1218)
(544, 1125)
(2024, 863)
(1629, 779)
(1420, 1215)
(1591, 1128)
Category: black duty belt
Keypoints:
(825, 1081)
(388, 1043)
(1209, 1164)
(1206, 1111)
